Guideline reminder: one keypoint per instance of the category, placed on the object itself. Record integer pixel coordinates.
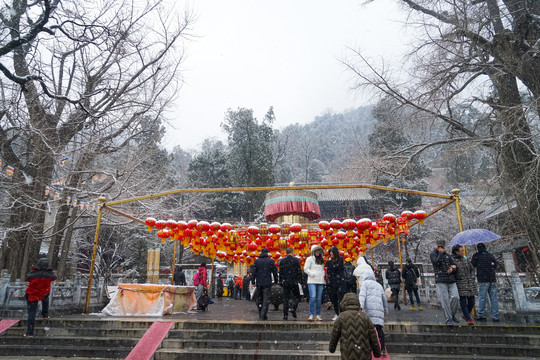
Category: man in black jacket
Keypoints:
(263, 270)
(485, 265)
(290, 274)
(444, 268)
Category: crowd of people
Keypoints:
(356, 293)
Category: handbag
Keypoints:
(418, 281)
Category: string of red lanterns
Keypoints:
(243, 245)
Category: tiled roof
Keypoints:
(342, 194)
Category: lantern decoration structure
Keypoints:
(293, 206)
(420, 215)
(402, 226)
(150, 222)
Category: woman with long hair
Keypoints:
(314, 269)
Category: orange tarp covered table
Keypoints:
(150, 300)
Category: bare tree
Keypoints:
(482, 53)
(120, 61)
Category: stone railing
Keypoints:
(70, 296)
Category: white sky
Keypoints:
(282, 53)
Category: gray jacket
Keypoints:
(465, 279)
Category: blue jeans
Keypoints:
(315, 298)
(486, 289)
(467, 304)
(32, 307)
(415, 291)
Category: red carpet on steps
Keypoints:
(6, 324)
(147, 346)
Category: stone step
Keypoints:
(55, 358)
(85, 332)
(464, 350)
(27, 348)
(248, 344)
(72, 341)
(239, 354)
(265, 334)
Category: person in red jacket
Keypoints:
(39, 287)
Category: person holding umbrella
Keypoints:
(485, 265)
(466, 282)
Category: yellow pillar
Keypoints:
(401, 267)
(150, 265)
(96, 240)
(173, 262)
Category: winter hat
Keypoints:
(264, 250)
(43, 264)
(440, 243)
(316, 247)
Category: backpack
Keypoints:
(202, 303)
(196, 280)
(349, 277)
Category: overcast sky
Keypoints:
(281, 53)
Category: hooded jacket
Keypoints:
(202, 276)
(354, 331)
(336, 272)
(361, 267)
(263, 269)
(39, 280)
(410, 274)
(314, 271)
(465, 279)
(373, 299)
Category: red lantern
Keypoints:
(203, 227)
(192, 224)
(390, 218)
(335, 224)
(263, 229)
(420, 216)
(226, 227)
(150, 222)
(349, 225)
(160, 224)
(296, 228)
(285, 229)
(407, 215)
(215, 226)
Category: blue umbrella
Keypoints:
(473, 237)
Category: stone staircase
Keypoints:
(105, 338)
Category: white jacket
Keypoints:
(361, 267)
(315, 272)
(373, 299)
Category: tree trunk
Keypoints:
(66, 245)
(58, 231)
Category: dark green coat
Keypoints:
(465, 278)
(354, 331)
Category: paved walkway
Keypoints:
(243, 310)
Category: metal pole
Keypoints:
(272, 188)
(211, 282)
(371, 251)
(401, 267)
(455, 192)
(96, 239)
(174, 261)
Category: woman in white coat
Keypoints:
(361, 267)
(314, 269)
(373, 303)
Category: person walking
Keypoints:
(179, 276)
(230, 286)
(410, 276)
(290, 275)
(444, 268)
(354, 331)
(393, 276)
(39, 288)
(219, 287)
(350, 279)
(466, 282)
(237, 295)
(361, 266)
(200, 281)
(263, 270)
(335, 271)
(485, 265)
(314, 269)
(373, 302)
